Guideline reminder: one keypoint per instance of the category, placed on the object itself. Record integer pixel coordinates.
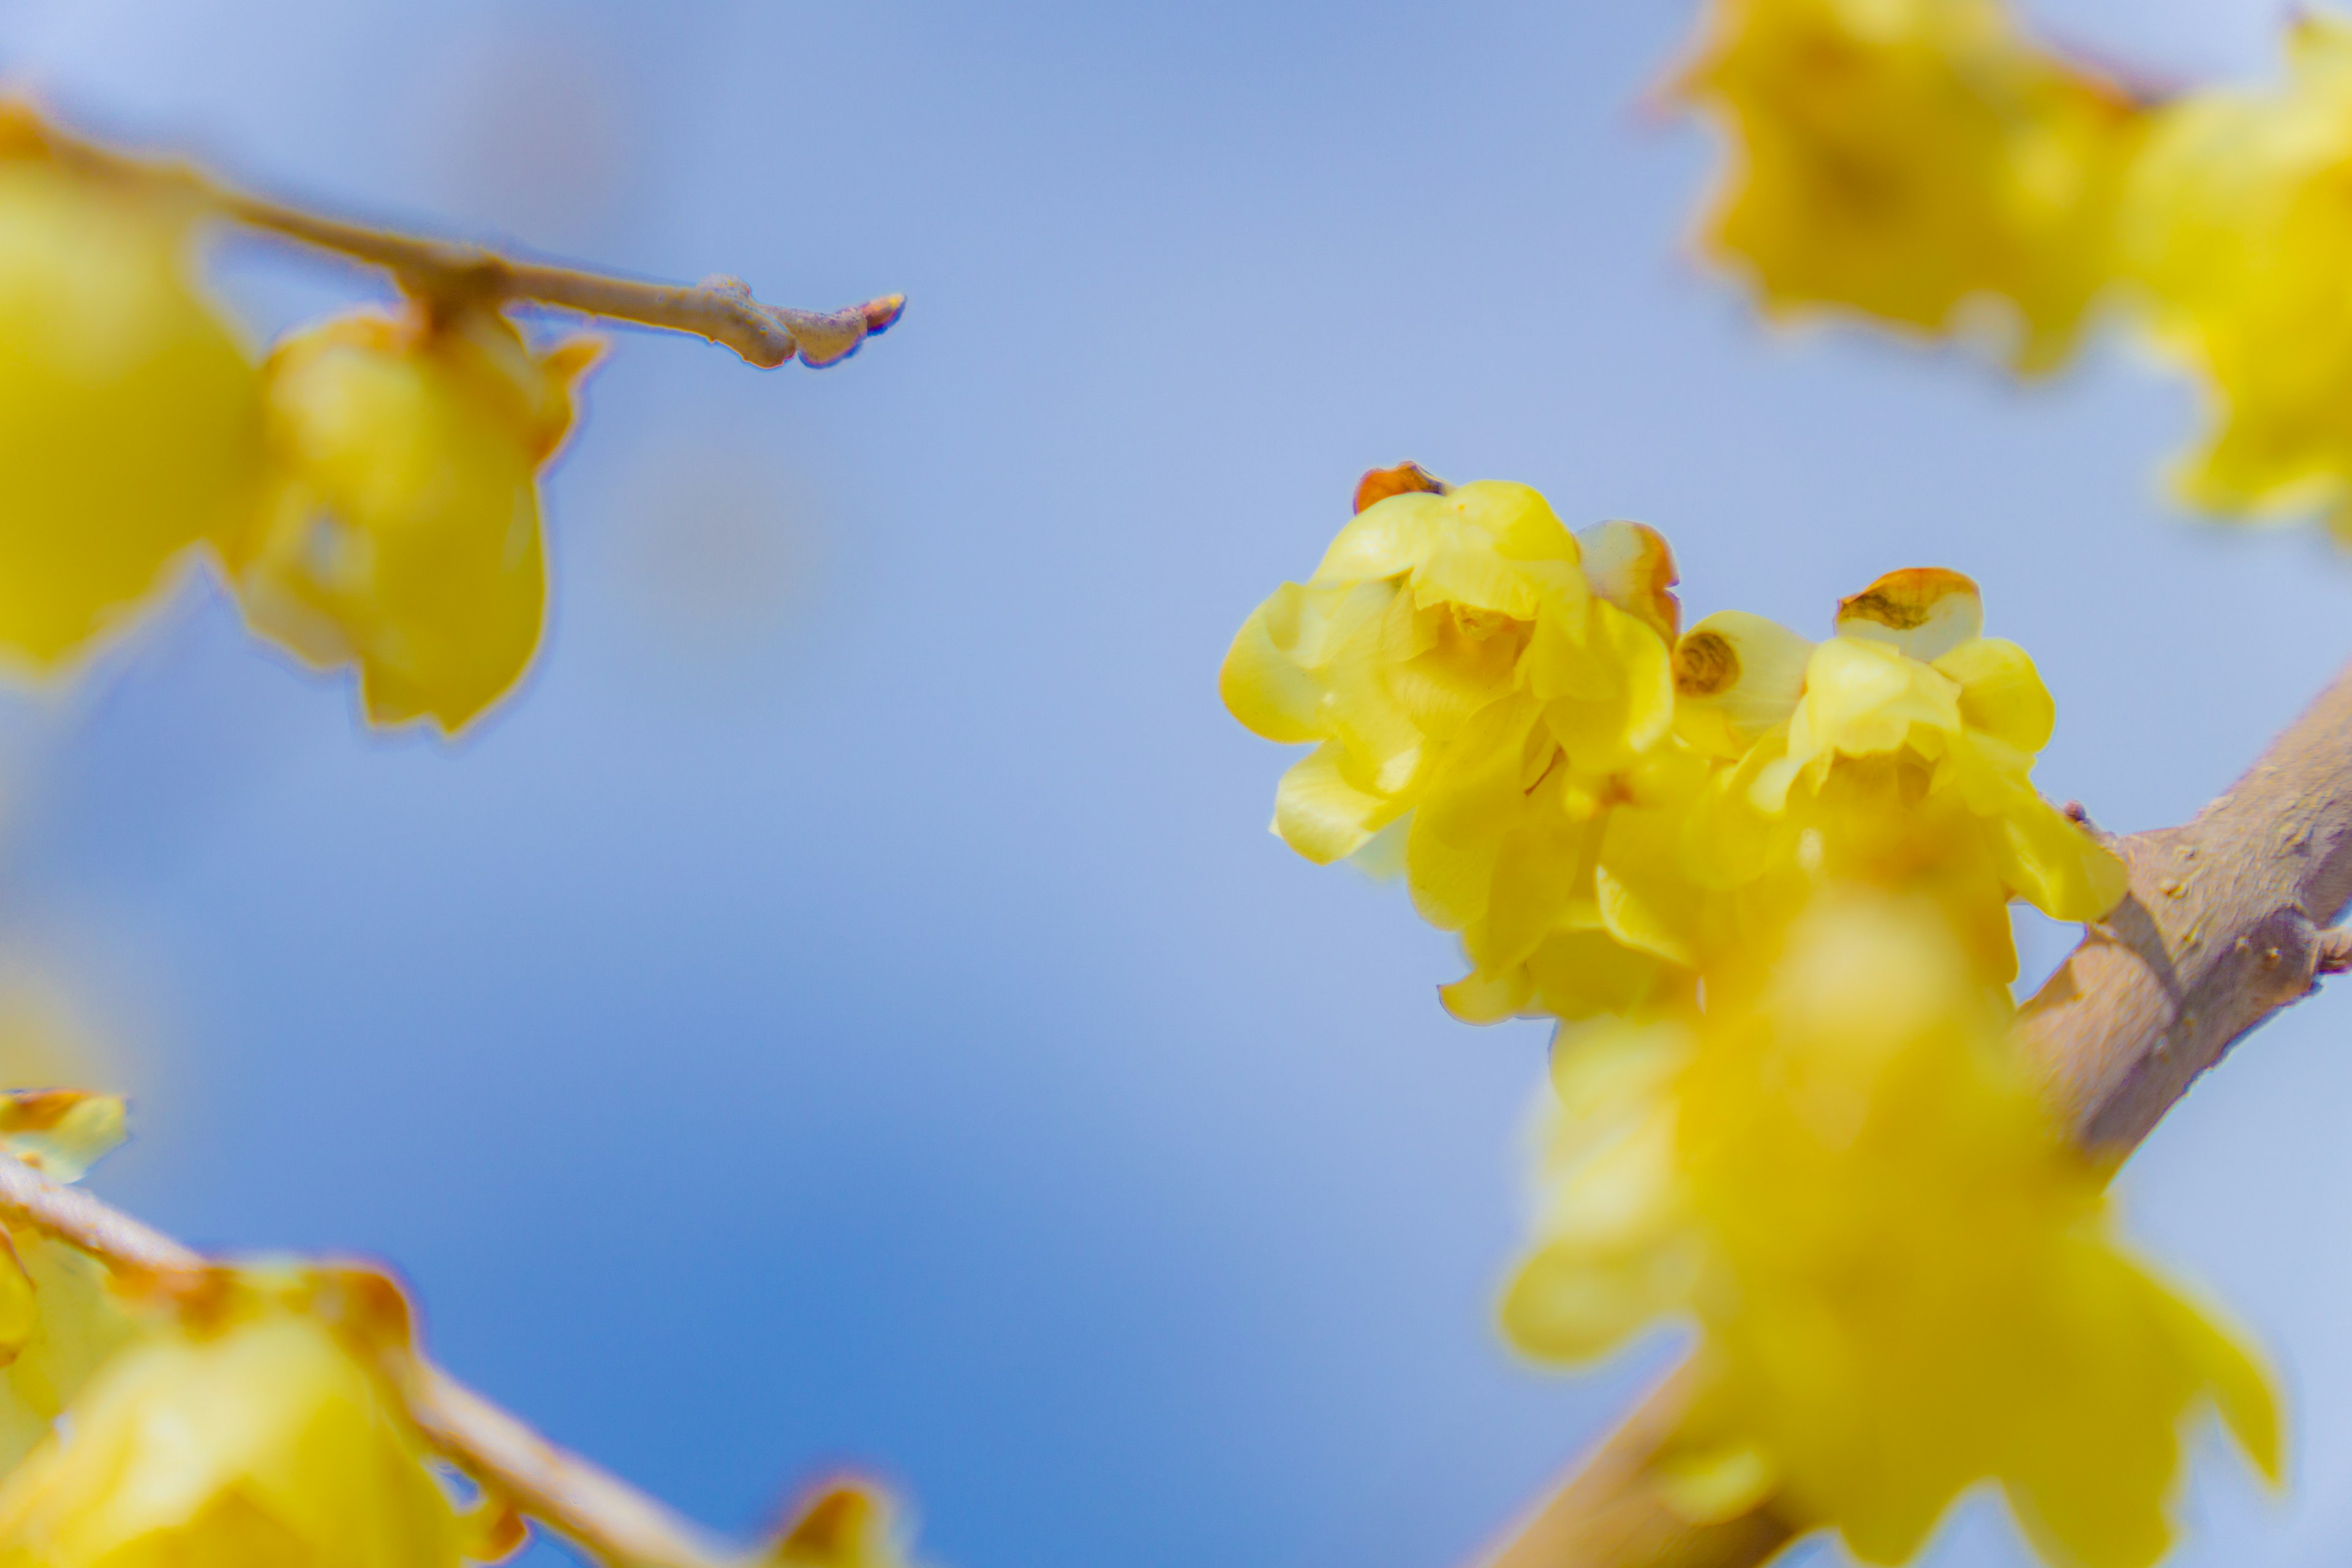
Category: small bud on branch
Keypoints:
(442, 271)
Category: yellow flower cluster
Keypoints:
(1912, 158)
(2239, 230)
(1907, 1280)
(1602, 809)
(370, 489)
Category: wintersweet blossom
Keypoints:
(130, 418)
(1898, 753)
(2239, 230)
(1908, 158)
(400, 533)
(262, 1444)
(1462, 658)
(843, 1524)
(1905, 1280)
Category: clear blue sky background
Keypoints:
(848, 1007)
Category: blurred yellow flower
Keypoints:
(264, 1445)
(1462, 658)
(2239, 226)
(400, 533)
(60, 1321)
(1898, 755)
(843, 1524)
(1908, 158)
(130, 418)
(1905, 1280)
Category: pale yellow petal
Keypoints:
(1631, 565)
(1923, 611)
(1323, 817)
(1736, 677)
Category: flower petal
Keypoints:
(2002, 693)
(1924, 612)
(1736, 676)
(1323, 817)
(1631, 565)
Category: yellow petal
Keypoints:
(2002, 693)
(130, 418)
(1323, 817)
(1262, 684)
(1864, 696)
(2057, 867)
(1482, 996)
(402, 533)
(1736, 677)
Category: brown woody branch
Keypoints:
(2228, 921)
(720, 308)
(588, 1505)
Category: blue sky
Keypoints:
(847, 1007)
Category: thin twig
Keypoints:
(2230, 919)
(581, 1501)
(720, 308)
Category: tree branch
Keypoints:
(580, 1501)
(720, 308)
(2222, 927)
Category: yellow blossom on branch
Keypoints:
(400, 533)
(261, 1444)
(1898, 754)
(1462, 658)
(1905, 1280)
(130, 418)
(1907, 158)
(2241, 229)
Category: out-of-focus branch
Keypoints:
(720, 308)
(580, 1501)
(2227, 922)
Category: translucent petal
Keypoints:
(1922, 612)
(2055, 866)
(1736, 676)
(2002, 693)
(1631, 565)
(1323, 817)
(1862, 697)
(1262, 682)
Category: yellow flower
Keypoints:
(1905, 158)
(401, 531)
(1898, 753)
(2239, 223)
(264, 1445)
(1905, 1281)
(60, 1321)
(130, 418)
(846, 1523)
(1464, 660)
